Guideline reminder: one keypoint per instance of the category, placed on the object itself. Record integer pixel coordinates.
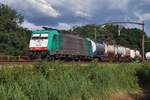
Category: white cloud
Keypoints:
(27, 6)
(142, 16)
(146, 16)
(82, 14)
(81, 8)
(85, 8)
(30, 26)
(148, 1)
(64, 26)
(117, 4)
(44, 7)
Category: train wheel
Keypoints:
(51, 58)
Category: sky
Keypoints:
(64, 14)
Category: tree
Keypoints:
(9, 19)
(13, 38)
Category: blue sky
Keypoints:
(63, 14)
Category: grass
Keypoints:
(70, 81)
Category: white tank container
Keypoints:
(121, 51)
(132, 54)
(127, 50)
(116, 50)
(147, 55)
(111, 50)
(106, 49)
(137, 53)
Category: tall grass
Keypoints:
(69, 81)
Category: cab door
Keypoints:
(55, 43)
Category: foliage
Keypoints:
(64, 81)
(9, 19)
(13, 38)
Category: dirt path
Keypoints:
(142, 95)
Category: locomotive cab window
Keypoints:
(35, 36)
(44, 36)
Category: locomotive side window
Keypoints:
(35, 38)
(43, 37)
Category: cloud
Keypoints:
(117, 4)
(142, 16)
(82, 14)
(44, 7)
(33, 7)
(64, 8)
(146, 16)
(147, 1)
(86, 8)
(67, 13)
(30, 26)
(78, 8)
(64, 26)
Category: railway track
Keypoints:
(25, 60)
(14, 59)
